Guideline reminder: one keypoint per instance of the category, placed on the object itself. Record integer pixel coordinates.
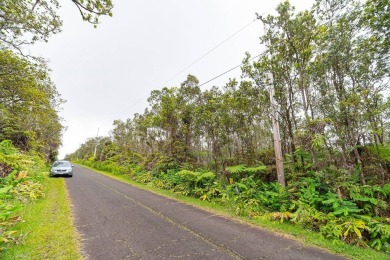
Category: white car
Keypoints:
(62, 168)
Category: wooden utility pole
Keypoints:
(276, 133)
(275, 125)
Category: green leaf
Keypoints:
(257, 169)
(236, 169)
(386, 188)
(5, 189)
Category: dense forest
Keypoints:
(329, 68)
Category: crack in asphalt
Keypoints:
(181, 226)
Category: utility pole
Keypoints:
(96, 143)
(275, 125)
(276, 132)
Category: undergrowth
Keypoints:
(20, 183)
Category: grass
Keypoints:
(48, 226)
(307, 237)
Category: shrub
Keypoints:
(20, 183)
(379, 235)
(308, 216)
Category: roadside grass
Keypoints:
(307, 237)
(48, 227)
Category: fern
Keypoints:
(242, 168)
(384, 152)
(7, 148)
(205, 178)
(257, 169)
(236, 169)
(332, 230)
(386, 189)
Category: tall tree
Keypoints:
(29, 104)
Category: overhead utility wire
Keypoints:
(204, 55)
(216, 47)
(210, 51)
(259, 17)
(200, 58)
(204, 83)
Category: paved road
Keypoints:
(119, 221)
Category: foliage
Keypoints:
(47, 225)
(7, 220)
(17, 188)
(380, 235)
(376, 17)
(25, 22)
(6, 148)
(28, 106)
(238, 171)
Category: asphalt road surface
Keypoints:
(119, 221)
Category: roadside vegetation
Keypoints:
(35, 217)
(330, 71)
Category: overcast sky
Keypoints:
(108, 73)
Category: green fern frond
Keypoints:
(257, 169)
(236, 168)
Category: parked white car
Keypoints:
(62, 168)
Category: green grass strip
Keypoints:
(307, 237)
(49, 227)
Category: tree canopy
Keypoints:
(24, 22)
(29, 104)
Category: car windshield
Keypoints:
(62, 164)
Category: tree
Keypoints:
(90, 10)
(330, 81)
(375, 14)
(24, 22)
(29, 104)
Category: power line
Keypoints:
(239, 65)
(208, 81)
(259, 17)
(210, 51)
(206, 54)
(201, 57)
(217, 46)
